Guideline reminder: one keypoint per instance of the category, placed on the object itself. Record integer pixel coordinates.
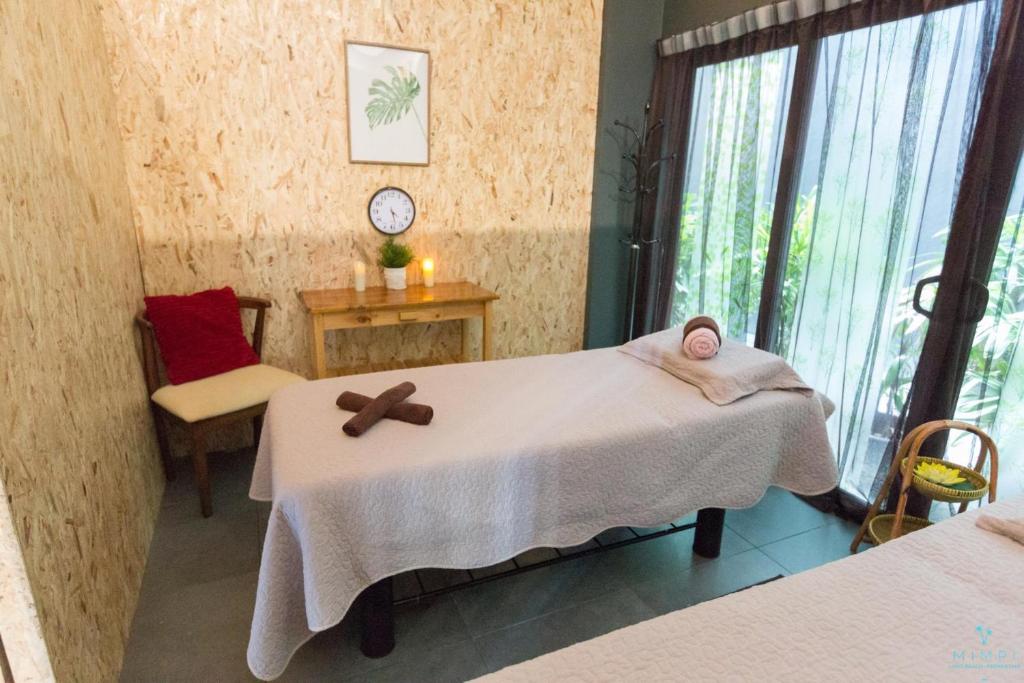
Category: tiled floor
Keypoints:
(192, 622)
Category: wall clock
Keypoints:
(391, 210)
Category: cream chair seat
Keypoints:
(224, 393)
(212, 403)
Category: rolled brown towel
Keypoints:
(373, 411)
(702, 321)
(414, 413)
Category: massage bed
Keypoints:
(943, 603)
(545, 451)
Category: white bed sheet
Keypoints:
(914, 609)
(522, 453)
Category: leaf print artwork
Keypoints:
(391, 101)
(388, 95)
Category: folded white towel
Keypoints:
(1011, 528)
(735, 371)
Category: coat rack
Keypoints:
(639, 186)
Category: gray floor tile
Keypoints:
(201, 550)
(688, 519)
(199, 633)
(776, 516)
(564, 627)
(454, 663)
(645, 530)
(484, 572)
(433, 622)
(815, 547)
(664, 557)
(420, 629)
(615, 535)
(536, 556)
(230, 476)
(436, 579)
(405, 585)
(708, 580)
(589, 545)
(511, 600)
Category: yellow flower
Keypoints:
(938, 473)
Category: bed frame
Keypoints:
(378, 603)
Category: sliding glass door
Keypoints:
(992, 394)
(737, 127)
(890, 125)
(889, 122)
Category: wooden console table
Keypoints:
(342, 309)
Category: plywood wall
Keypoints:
(233, 116)
(21, 634)
(76, 452)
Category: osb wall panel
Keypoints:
(20, 631)
(233, 116)
(76, 453)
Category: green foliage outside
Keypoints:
(994, 353)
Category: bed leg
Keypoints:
(707, 541)
(378, 620)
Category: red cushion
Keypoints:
(199, 335)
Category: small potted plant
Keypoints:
(393, 258)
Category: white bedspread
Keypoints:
(541, 451)
(944, 603)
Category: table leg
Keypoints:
(466, 345)
(488, 348)
(707, 540)
(317, 347)
(378, 620)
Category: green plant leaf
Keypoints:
(392, 100)
(394, 255)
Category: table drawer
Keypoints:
(419, 314)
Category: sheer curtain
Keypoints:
(820, 167)
(890, 124)
(992, 394)
(736, 134)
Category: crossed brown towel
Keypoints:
(391, 404)
(413, 413)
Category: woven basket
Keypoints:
(880, 528)
(945, 493)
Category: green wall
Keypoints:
(631, 28)
(627, 68)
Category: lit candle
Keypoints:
(360, 268)
(428, 272)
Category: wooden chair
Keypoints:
(211, 403)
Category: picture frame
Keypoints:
(387, 93)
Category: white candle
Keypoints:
(428, 272)
(360, 269)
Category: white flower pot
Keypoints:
(394, 278)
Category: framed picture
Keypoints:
(388, 104)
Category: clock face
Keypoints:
(391, 210)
